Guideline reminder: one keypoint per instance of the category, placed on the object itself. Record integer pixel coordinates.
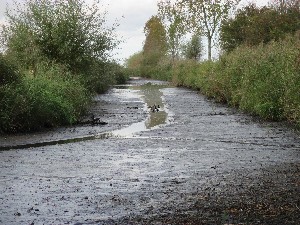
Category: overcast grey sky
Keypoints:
(131, 15)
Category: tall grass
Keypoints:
(262, 80)
(47, 99)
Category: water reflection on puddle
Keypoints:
(151, 95)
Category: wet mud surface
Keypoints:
(192, 162)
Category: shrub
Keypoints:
(8, 73)
(46, 100)
(262, 80)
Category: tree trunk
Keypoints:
(209, 40)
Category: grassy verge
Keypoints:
(262, 80)
(44, 100)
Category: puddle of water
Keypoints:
(151, 95)
(130, 130)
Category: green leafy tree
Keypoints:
(134, 61)
(285, 6)
(67, 32)
(205, 16)
(8, 73)
(173, 19)
(155, 46)
(21, 47)
(252, 26)
(238, 30)
(194, 48)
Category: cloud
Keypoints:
(132, 16)
(257, 2)
(135, 12)
(132, 42)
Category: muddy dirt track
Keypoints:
(190, 162)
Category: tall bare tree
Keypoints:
(284, 5)
(206, 16)
(173, 20)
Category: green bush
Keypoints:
(258, 79)
(8, 73)
(261, 87)
(119, 73)
(182, 72)
(102, 75)
(46, 100)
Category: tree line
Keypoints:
(182, 25)
(56, 55)
(258, 65)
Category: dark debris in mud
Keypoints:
(269, 197)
